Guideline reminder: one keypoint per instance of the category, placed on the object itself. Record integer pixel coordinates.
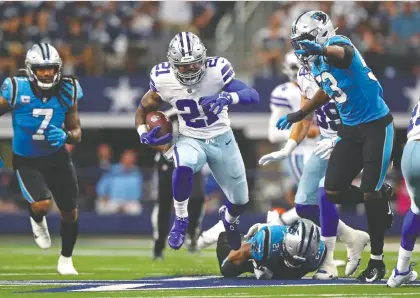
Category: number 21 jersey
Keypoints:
(195, 120)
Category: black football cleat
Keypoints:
(375, 271)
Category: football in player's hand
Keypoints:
(154, 119)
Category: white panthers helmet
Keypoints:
(291, 66)
(187, 56)
(43, 55)
(314, 26)
(301, 243)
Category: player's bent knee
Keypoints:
(41, 207)
(69, 216)
(334, 196)
(239, 194)
(369, 196)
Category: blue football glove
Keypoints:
(149, 138)
(286, 121)
(218, 101)
(56, 136)
(310, 48)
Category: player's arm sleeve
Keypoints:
(8, 92)
(157, 77)
(278, 110)
(340, 55)
(241, 93)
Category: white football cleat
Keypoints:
(210, 236)
(397, 279)
(41, 234)
(65, 266)
(339, 262)
(355, 250)
(327, 271)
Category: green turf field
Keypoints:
(123, 267)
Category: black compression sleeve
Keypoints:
(346, 61)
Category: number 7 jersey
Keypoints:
(32, 116)
(195, 120)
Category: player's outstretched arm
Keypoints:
(4, 106)
(233, 93)
(339, 54)
(72, 125)
(320, 98)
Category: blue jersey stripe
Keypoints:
(386, 154)
(225, 69)
(229, 75)
(25, 192)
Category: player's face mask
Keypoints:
(189, 68)
(292, 261)
(45, 74)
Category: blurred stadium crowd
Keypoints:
(131, 36)
(122, 37)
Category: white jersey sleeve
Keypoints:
(327, 117)
(284, 99)
(161, 79)
(413, 130)
(220, 70)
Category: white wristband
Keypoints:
(235, 97)
(290, 145)
(142, 129)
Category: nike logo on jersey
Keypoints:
(227, 143)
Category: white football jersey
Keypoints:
(413, 130)
(194, 120)
(285, 99)
(327, 116)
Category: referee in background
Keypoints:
(162, 211)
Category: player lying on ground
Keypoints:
(44, 104)
(200, 89)
(366, 135)
(410, 166)
(274, 251)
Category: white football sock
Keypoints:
(404, 257)
(181, 208)
(229, 218)
(290, 216)
(330, 245)
(344, 232)
(377, 257)
(212, 234)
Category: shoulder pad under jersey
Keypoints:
(280, 96)
(159, 75)
(72, 87)
(220, 69)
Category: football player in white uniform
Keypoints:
(285, 98)
(403, 272)
(200, 89)
(310, 189)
